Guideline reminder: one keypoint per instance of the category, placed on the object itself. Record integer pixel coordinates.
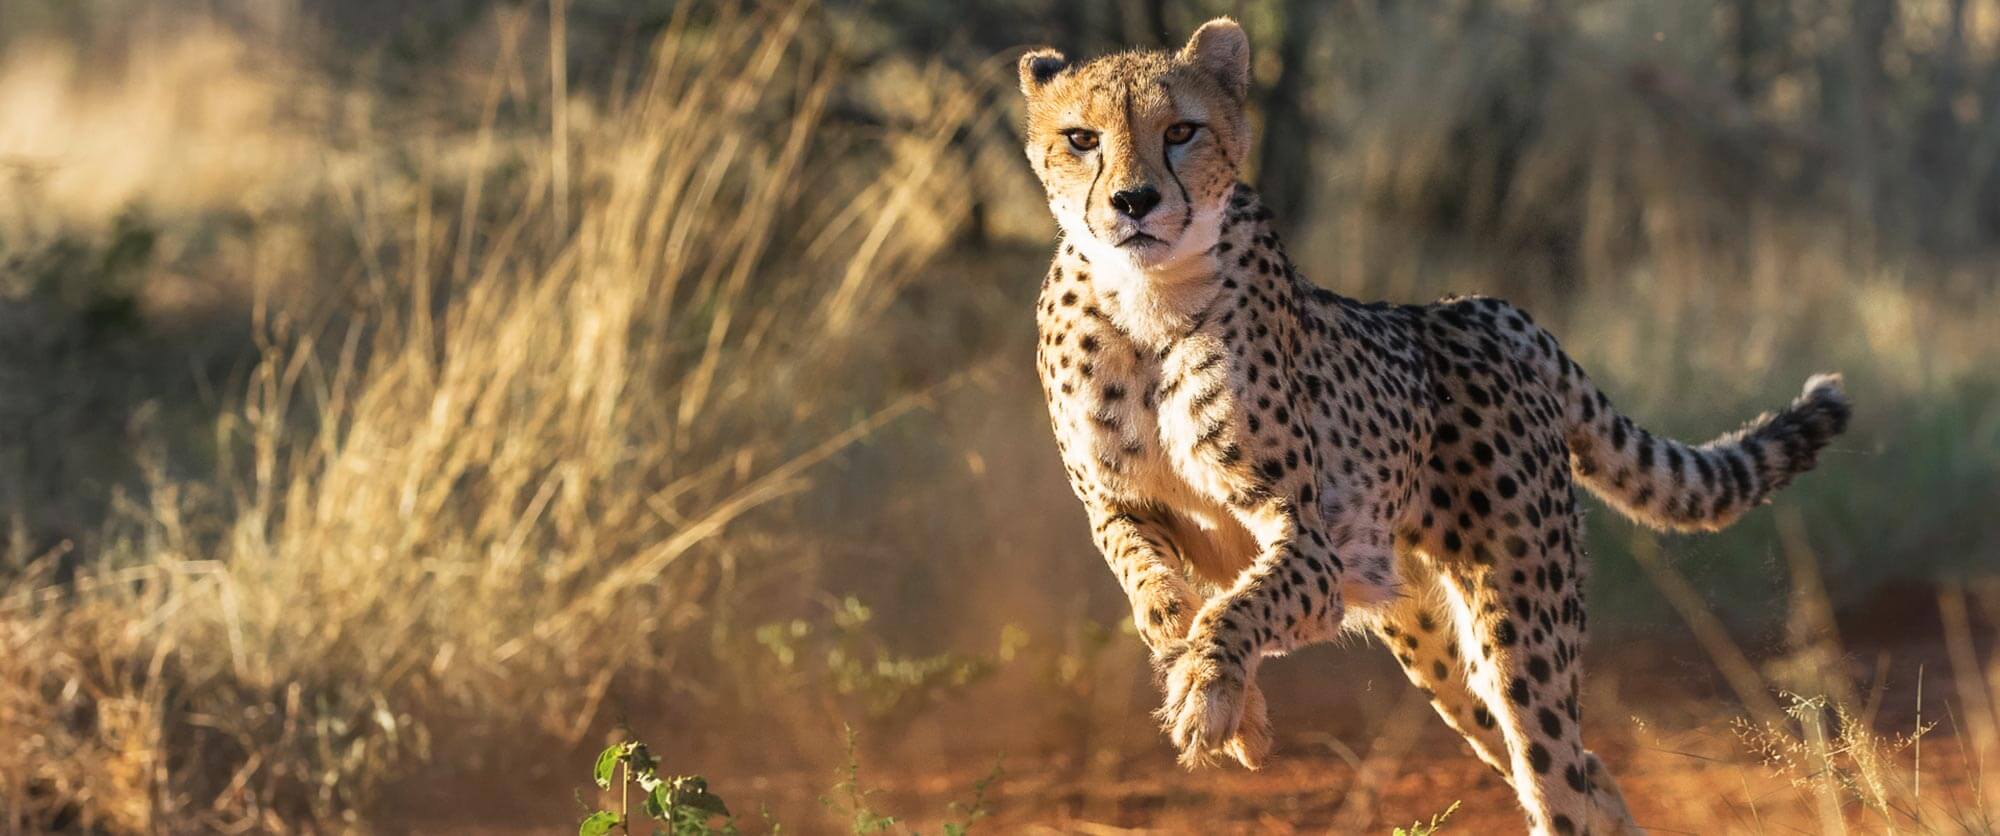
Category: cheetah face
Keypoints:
(1138, 151)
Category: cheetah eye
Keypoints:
(1179, 133)
(1080, 139)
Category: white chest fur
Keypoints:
(1156, 307)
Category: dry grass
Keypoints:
(1841, 745)
(534, 378)
(499, 484)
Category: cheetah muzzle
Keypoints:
(1317, 464)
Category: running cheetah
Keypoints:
(1325, 464)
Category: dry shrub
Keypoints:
(1824, 746)
(502, 488)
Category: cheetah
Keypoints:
(1323, 465)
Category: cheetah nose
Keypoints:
(1135, 203)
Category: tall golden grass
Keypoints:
(1837, 743)
(499, 481)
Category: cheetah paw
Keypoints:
(1204, 714)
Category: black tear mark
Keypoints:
(1091, 194)
(1166, 157)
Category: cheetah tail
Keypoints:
(1679, 487)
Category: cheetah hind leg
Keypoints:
(1608, 813)
(1530, 690)
(1421, 634)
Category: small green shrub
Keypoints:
(1431, 828)
(681, 805)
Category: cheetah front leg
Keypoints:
(1289, 597)
(1139, 549)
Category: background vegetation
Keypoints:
(398, 399)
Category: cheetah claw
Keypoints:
(1252, 743)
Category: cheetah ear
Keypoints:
(1038, 67)
(1221, 49)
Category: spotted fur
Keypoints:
(1319, 464)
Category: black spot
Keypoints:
(1538, 668)
(1552, 724)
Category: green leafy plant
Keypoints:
(681, 805)
(1435, 825)
(974, 810)
(850, 801)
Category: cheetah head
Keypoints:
(1138, 151)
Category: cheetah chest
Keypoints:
(1132, 422)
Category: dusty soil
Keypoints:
(1357, 752)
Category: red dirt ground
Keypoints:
(1357, 752)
